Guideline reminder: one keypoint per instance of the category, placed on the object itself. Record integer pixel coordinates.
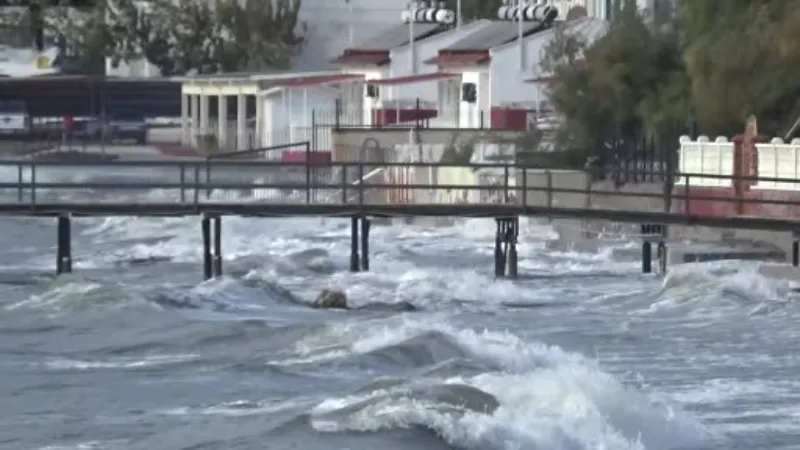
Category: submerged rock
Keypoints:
(331, 299)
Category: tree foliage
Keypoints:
(477, 9)
(186, 36)
(707, 68)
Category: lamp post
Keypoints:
(526, 11)
(420, 12)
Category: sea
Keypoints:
(133, 350)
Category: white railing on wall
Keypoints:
(778, 159)
(703, 156)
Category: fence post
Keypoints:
(308, 172)
(524, 188)
(344, 183)
(686, 202)
(361, 181)
(337, 109)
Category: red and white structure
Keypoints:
(728, 198)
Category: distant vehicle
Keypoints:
(14, 118)
(131, 126)
(120, 126)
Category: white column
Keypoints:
(241, 122)
(204, 126)
(260, 121)
(195, 123)
(185, 120)
(222, 122)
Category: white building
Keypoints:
(410, 82)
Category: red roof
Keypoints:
(319, 80)
(409, 79)
(460, 58)
(363, 57)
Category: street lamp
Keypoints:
(421, 12)
(526, 11)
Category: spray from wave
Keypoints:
(527, 396)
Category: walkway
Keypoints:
(248, 188)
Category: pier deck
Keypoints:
(360, 191)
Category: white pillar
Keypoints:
(222, 122)
(259, 121)
(195, 121)
(241, 122)
(185, 120)
(204, 128)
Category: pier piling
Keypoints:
(205, 226)
(647, 257)
(64, 246)
(216, 256)
(365, 225)
(795, 248)
(505, 247)
(661, 253)
(354, 266)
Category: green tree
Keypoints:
(709, 66)
(187, 36)
(477, 9)
(618, 88)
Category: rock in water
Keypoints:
(330, 298)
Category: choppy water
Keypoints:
(134, 352)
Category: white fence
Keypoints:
(776, 159)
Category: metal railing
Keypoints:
(271, 182)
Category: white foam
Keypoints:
(119, 363)
(549, 399)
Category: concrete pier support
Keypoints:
(505, 247)
(795, 249)
(211, 227)
(354, 263)
(64, 246)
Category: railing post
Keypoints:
(20, 180)
(524, 193)
(208, 179)
(361, 181)
(182, 169)
(33, 184)
(196, 184)
(505, 184)
(549, 180)
(308, 173)
(344, 184)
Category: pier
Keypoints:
(217, 188)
